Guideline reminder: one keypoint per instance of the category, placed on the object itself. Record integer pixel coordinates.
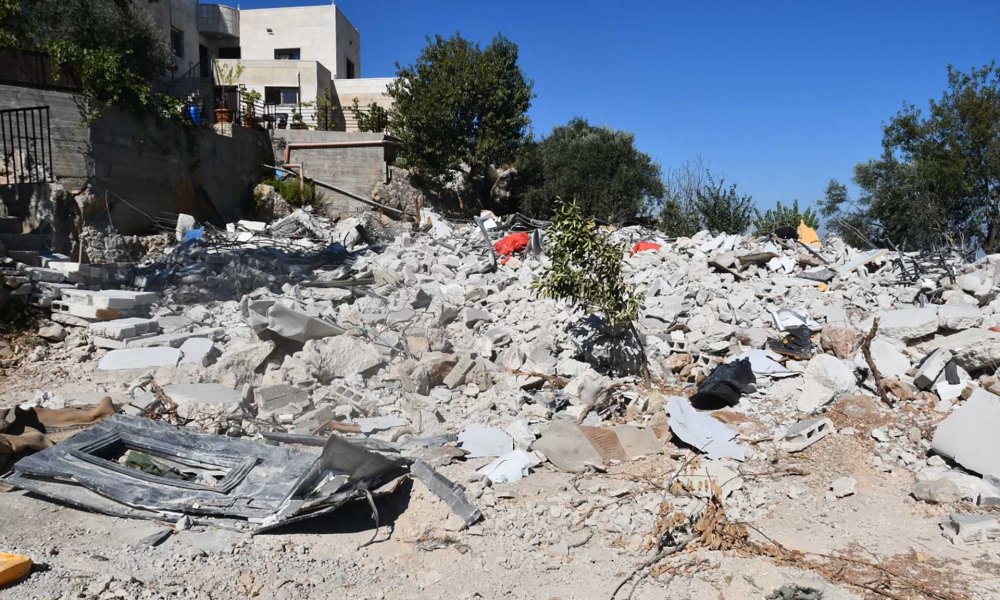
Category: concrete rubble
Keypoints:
(413, 342)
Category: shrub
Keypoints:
(587, 269)
(294, 195)
(722, 209)
(784, 216)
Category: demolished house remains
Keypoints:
(269, 373)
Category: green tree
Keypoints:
(784, 216)
(460, 108)
(588, 270)
(112, 44)
(371, 118)
(722, 209)
(845, 217)
(598, 167)
(938, 178)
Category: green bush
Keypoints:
(722, 209)
(587, 269)
(373, 118)
(784, 216)
(294, 195)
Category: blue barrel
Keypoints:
(194, 113)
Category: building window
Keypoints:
(231, 52)
(349, 70)
(281, 95)
(287, 54)
(177, 42)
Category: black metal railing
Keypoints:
(25, 145)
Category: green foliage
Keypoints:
(587, 269)
(227, 75)
(784, 216)
(289, 189)
(721, 209)
(679, 216)
(598, 167)
(459, 108)
(10, 32)
(113, 44)
(938, 179)
(372, 118)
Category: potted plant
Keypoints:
(297, 122)
(226, 76)
(250, 100)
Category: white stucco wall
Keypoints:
(311, 29)
(258, 74)
(348, 47)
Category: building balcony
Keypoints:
(218, 21)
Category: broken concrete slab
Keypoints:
(139, 358)
(970, 529)
(969, 435)
(974, 349)
(197, 400)
(931, 368)
(479, 441)
(123, 329)
(959, 317)
(341, 355)
(702, 431)
(826, 377)
(909, 323)
(197, 351)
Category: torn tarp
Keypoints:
(287, 319)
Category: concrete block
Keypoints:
(91, 313)
(174, 340)
(197, 351)
(968, 435)
(112, 344)
(974, 349)
(456, 376)
(123, 329)
(173, 323)
(909, 323)
(139, 358)
(281, 398)
(959, 317)
(110, 299)
(969, 529)
(805, 433)
(931, 368)
(43, 274)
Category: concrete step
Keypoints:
(35, 242)
(10, 225)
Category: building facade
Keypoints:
(291, 56)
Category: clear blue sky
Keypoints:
(779, 96)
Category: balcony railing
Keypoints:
(218, 20)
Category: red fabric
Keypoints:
(512, 243)
(643, 246)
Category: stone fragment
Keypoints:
(932, 366)
(458, 373)
(122, 329)
(970, 529)
(197, 351)
(909, 323)
(139, 358)
(958, 317)
(342, 355)
(843, 341)
(484, 441)
(566, 447)
(197, 400)
(825, 378)
(53, 332)
(843, 486)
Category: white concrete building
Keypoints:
(290, 55)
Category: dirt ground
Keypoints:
(551, 535)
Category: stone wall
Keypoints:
(355, 169)
(148, 171)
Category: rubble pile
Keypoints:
(430, 345)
